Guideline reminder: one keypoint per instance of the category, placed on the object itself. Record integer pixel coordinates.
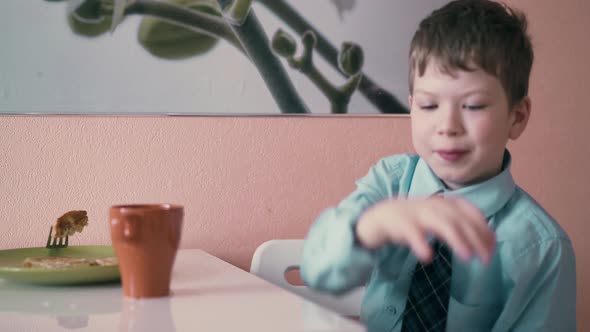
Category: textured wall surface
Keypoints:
(242, 180)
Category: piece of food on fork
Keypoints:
(70, 223)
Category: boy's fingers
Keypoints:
(473, 214)
(416, 240)
(445, 223)
(476, 229)
(450, 232)
(483, 245)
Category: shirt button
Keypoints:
(391, 309)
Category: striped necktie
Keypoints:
(428, 298)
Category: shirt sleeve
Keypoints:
(332, 260)
(543, 296)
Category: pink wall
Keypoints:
(553, 157)
(245, 180)
(242, 180)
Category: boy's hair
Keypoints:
(483, 33)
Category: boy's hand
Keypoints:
(410, 221)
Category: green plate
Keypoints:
(11, 267)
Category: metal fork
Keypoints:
(56, 243)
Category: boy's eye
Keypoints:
(428, 107)
(474, 107)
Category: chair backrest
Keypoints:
(274, 258)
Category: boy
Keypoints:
(445, 240)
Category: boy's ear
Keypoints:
(520, 117)
(410, 101)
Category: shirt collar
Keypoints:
(489, 196)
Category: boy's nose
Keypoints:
(450, 123)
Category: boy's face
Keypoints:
(461, 123)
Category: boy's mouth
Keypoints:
(451, 155)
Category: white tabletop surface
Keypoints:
(208, 294)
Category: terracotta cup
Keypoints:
(145, 238)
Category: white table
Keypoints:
(208, 294)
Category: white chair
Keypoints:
(274, 258)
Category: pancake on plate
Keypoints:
(54, 262)
(66, 225)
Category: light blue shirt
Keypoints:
(530, 285)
